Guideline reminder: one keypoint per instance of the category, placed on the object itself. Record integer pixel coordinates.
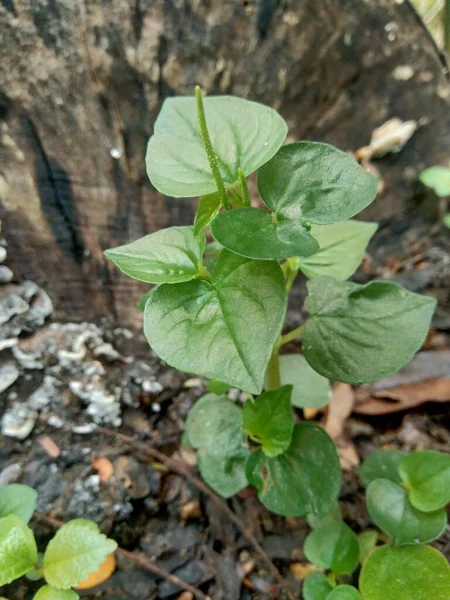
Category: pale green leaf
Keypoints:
(320, 520)
(316, 587)
(167, 256)
(17, 499)
(143, 300)
(217, 387)
(426, 474)
(199, 327)
(295, 483)
(208, 207)
(18, 551)
(382, 464)
(405, 573)
(223, 471)
(47, 592)
(333, 546)
(390, 509)
(342, 248)
(437, 178)
(367, 542)
(310, 389)
(268, 420)
(77, 549)
(243, 134)
(362, 333)
(344, 592)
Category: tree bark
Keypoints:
(82, 83)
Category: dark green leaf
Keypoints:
(333, 546)
(268, 420)
(19, 500)
(255, 233)
(361, 333)
(437, 178)
(170, 255)
(18, 552)
(310, 390)
(316, 182)
(367, 542)
(382, 464)
(296, 483)
(222, 330)
(426, 474)
(405, 573)
(389, 508)
(344, 592)
(316, 587)
(208, 207)
(342, 247)
(50, 593)
(243, 134)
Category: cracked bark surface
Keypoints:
(82, 83)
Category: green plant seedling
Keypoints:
(316, 586)
(367, 542)
(382, 464)
(333, 546)
(438, 179)
(344, 592)
(426, 475)
(218, 309)
(17, 499)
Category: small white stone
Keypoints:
(156, 407)
(116, 153)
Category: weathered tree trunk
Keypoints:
(82, 82)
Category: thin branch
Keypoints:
(179, 468)
(292, 335)
(138, 559)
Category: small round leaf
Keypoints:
(334, 546)
(47, 592)
(17, 499)
(382, 464)
(18, 551)
(344, 592)
(316, 587)
(367, 542)
(426, 474)
(405, 573)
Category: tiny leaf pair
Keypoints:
(317, 587)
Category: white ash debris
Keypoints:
(103, 407)
(3, 254)
(9, 373)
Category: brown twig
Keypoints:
(179, 468)
(138, 559)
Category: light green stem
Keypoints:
(292, 335)
(244, 187)
(212, 159)
(273, 370)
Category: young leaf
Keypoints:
(47, 592)
(268, 420)
(295, 483)
(426, 474)
(170, 255)
(222, 330)
(361, 333)
(77, 549)
(310, 389)
(217, 387)
(316, 182)
(342, 247)
(208, 207)
(243, 134)
(389, 508)
(367, 542)
(17, 499)
(344, 592)
(437, 178)
(316, 587)
(321, 520)
(382, 464)
(334, 547)
(18, 552)
(405, 573)
(214, 428)
(255, 233)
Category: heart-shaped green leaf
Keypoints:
(405, 573)
(310, 389)
(367, 542)
(268, 420)
(170, 255)
(18, 552)
(342, 247)
(295, 483)
(361, 333)
(437, 178)
(333, 546)
(426, 474)
(316, 587)
(316, 182)
(47, 592)
(223, 471)
(198, 326)
(255, 233)
(389, 508)
(77, 550)
(243, 134)
(17, 499)
(208, 207)
(382, 464)
(344, 592)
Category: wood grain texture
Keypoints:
(82, 81)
